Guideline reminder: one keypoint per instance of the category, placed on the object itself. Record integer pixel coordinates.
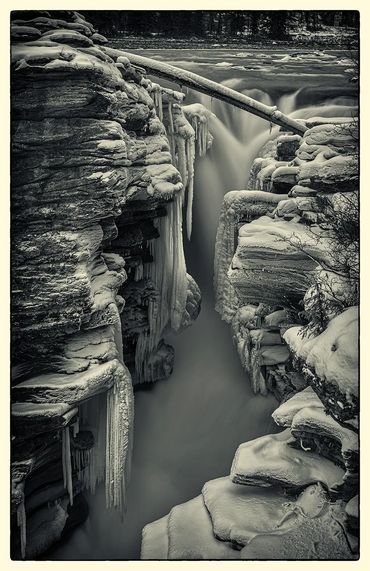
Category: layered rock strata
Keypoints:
(98, 274)
(270, 271)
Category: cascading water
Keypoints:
(187, 429)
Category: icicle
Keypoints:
(141, 355)
(93, 416)
(171, 134)
(226, 297)
(64, 467)
(199, 118)
(22, 524)
(119, 432)
(179, 286)
(66, 461)
(182, 158)
(119, 417)
(76, 427)
(152, 319)
(139, 272)
(170, 118)
(257, 378)
(190, 152)
(158, 103)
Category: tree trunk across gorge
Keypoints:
(214, 89)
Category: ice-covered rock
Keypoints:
(340, 137)
(191, 535)
(331, 362)
(322, 537)
(271, 461)
(285, 413)
(240, 513)
(338, 173)
(155, 539)
(321, 432)
(284, 178)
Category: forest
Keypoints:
(255, 24)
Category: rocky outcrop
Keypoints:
(99, 274)
(293, 494)
(281, 261)
(329, 361)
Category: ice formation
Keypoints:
(284, 414)
(188, 134)
(168, 273)
(156, 91)
(182, 142)
(199, 118)
(22, 524)
(66, 462)
(258, 344)
(318, 538)
(191, 535)
(110, 417)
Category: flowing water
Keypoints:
(188, 427)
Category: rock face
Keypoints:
(99, 273)
(294, 494)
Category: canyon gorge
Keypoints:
(184, 301)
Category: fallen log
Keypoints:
(211, 88)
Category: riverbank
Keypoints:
(345, 39)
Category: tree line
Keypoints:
(273, 24)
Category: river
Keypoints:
(188, 427)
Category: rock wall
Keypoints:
(98, 268)
(289, 290)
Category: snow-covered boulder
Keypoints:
(272, 461)
(338, 173)
(154, 543)
(285, 413)
(190, 534)
(240, 513)
(322, 537)
(331, 362)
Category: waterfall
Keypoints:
(238, 140)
